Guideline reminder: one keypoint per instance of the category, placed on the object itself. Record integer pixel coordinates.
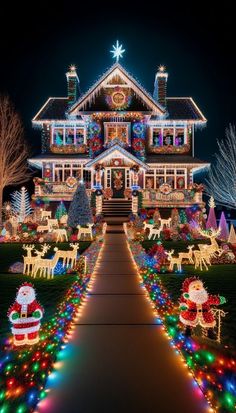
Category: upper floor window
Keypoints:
(168, 136)
(68, 136)
(117, 132)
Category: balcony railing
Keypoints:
(177, 197)
(56, 191)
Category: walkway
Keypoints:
(119, 359)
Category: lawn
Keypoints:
(219, 279)
(49, 292)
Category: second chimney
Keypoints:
(160, 85)
(73, 86)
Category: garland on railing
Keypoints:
(214, 373)
(24, 372)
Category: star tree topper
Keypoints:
(117, 51)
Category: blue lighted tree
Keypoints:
(80, 212)
(60, 211)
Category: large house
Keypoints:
(118, 138)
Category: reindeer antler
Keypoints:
(209, 233)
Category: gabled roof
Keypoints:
(183, 108)
(115, 151)
(53, 109)
(117, 71)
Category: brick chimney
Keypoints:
(160, 84)
(73, 85)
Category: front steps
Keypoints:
(116, 207)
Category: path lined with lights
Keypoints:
(119, 359)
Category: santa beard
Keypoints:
(198, 296)
(25, 299)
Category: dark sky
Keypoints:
(195, 43)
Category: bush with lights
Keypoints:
(24, 371)
(214, 372)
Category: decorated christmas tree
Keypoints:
(80, 211)
(232, 235)
(183, 217)
(21, 204)
(60, 211)
(175, 219)
(224, 233)
(156, 216)
(211, 220)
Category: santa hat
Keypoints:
(187, 282)
(26, 284)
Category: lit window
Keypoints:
(157, 137)
(118, 131)
(69, 136)
(58, 136)
(79, 136)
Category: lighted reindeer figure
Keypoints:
(166, 222)
(187, 255)
(28, 259)
(174, 261)
(38, 256)
(46, 215)
(153, 232)
(69, 257)
(61, 234)
(46, 266)
(85, 231)
(211, 234)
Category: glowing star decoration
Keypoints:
(117, 51)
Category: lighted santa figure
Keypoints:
(25, 315)
(195, 306)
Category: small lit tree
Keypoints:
(60, 211)
(232, 235)
(222, 175)
(21, 204)
(223, 226)
(13, 149)
(80, 210)
(211, 219)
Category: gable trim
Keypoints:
(138, 89)
(118, 148)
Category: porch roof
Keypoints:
(120, 152)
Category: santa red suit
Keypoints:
(195, 304)
(25, 315)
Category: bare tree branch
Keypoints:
(13, 148)
(221, 180)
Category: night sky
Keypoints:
(196, 45)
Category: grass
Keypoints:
(219, 279)
(12, 252)
(49, 292)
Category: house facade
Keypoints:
(117, 138)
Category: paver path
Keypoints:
(119, 360)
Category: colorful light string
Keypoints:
(214, 373)
(24, 372)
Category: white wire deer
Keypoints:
(85, 231)
(153, 232)
(174, 261)
(29, 258)
(46, 266)
(61, 234)
(69, 257)
(187, 255)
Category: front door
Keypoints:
(118, 182)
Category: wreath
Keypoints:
(165, 189)
(71, 181)
(138, 128)
(118, 98)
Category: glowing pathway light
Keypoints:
(117, 51)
